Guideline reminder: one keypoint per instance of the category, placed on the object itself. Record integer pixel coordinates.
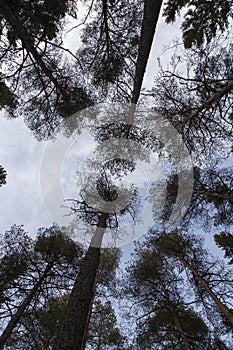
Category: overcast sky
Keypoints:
(21, 154)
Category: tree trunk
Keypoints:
(214, 194)
(150, 19)
(75, 323)
(16, 317)
(225, 89)
(27, 43)
(224, 309)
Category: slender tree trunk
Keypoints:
(75, 323)
(224, 309)
(27, 43)
(214, 194)
(150, 19)
(106, 28)
(215, 97)
(16, 317)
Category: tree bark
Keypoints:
(224, 309)
(75, 323)
(27, 43)
(16, 317)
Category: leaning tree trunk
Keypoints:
(72, 335)
(223, 308)
(150, 18)
(215, 97)
(19, 313)
(215, 194)
(75, 324)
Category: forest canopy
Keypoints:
(175, 291)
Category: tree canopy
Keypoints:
(57, 294)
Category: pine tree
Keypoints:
(189, 251)
(79, 307)
(38, 77)
(103, 332)
(40, 324)
(165, 320)
(202, 19)
(32, 271)
(195, 94)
